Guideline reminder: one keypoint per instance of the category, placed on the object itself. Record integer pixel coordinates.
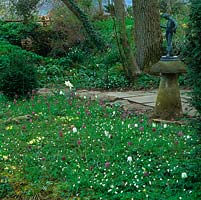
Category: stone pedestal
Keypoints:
(168, 102)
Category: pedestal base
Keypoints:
(168, 103)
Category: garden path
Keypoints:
(136, 100)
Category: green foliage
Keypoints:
(85, 70)
(76, 55)
(41, 37)
(94, 36)
(193, 52)
(99, 76)
(77, 148)
(86, 5)
(173, 6)
(6, 48)
(146, 81)
(68, 32)
(17, 71)
(5, 187)
(106, 28)
(25, 8)
(15, 32)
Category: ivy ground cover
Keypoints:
(64, 147)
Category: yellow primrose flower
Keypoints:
(9, 127)
(13, 167)
(5, 157)
(37, 139)
(32, 141)
(184, 25)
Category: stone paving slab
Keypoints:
(133, 100)
(126, 94)
(143, 99)
(150, 104)
(188, 110)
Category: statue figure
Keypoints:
(171, 28)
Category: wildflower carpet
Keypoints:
(63, 146)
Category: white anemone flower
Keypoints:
(129, 159)
(154, 125)
(74, 130)
(61, 92)
(184, 175)
(69, 84)
(106, 133)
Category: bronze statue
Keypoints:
(171, 28)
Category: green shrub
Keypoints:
(193, 52)
(7, 48)
(76, 55)
(146, 81)
(17, 73)
(39, 36)
(15, 32)
(5, 187)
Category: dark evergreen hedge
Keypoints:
(18, 75)
(193, 53)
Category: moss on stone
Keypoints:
(168, 67)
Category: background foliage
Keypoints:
(193, 52)
(17, 71)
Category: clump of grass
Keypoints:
(62, 147)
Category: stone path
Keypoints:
(136, 100)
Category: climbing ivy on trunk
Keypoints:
(94, 36)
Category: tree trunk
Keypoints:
(128, 59)
(89, 28)
(148, 37)
(169, 7)
(100, 6)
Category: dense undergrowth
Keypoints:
(80, 63)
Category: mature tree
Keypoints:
(100, 7)
(85, 5)
(169, 6)
(172, 6)
(2, 9)
(25, 8)
(88, 26)
(128, 59)
(148, 36)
